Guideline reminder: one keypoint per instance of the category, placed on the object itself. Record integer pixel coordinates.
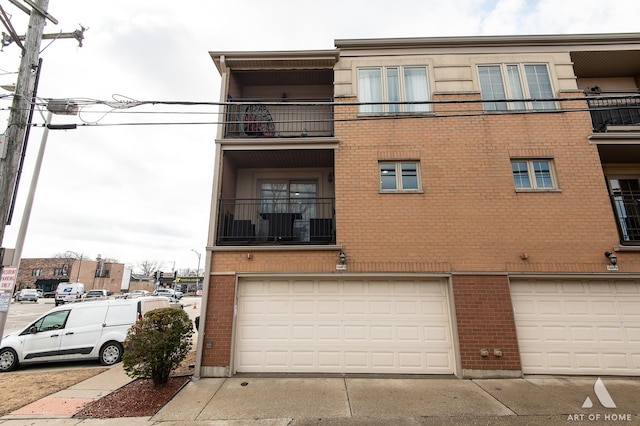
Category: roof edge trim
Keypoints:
(500, 40)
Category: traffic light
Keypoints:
(155, 276)
(161, 274)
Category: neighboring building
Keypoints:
(47, 273)
(427, 206)
(140, 282)
(188, 285)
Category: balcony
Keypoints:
(243, 221)
(611, 112)
(627, 211)
(285, 118)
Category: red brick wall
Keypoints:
(219, 321)
(485, 320)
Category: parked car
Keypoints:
(174, 302)
(77, 331)
(168, 292)
(40, 292)
(136, 293)
(97, 294)
(69, 292)
(27, 295)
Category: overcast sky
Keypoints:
(143, 192)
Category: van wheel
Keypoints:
(110, 353)
(8, 359)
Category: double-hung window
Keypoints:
(535, 174)
(399, 175)
(515, 81)
(393, 90)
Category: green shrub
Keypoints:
(156, 344)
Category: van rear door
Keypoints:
(83, 330)
(121, 313)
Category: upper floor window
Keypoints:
(515, 81)
(57, 272)
(399, 175)
(36, 272)
(393, 87)
(533, 174)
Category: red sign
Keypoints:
(8, 279)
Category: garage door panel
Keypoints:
(384, 333)
(633, 334)
(303, 307)
(437, 334)
(583, 334)
(303, 358)
(380, 326)
(577, 327)
(381, 307)
(630, 311)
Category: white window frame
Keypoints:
(399, 177)
(514, 91)
(386, 108)
(532, 174)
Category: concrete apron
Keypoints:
(534, 400)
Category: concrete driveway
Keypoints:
(404, 401)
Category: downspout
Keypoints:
(212, 220)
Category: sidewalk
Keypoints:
(357, 401)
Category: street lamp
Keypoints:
(65, 107)
(197, 270)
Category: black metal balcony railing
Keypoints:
(627, 210)
(260, 119)
(269, 221)
(620, 110)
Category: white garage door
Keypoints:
(578, 327)
(375, 326)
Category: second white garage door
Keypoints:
(347, 326)
(578, 327)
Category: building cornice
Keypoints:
(491, 41)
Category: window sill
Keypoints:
(628, 247)
(400, 191)
(522, 111)
(396, 114)
(538, 190)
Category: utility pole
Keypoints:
(19, 114)
(14, 145)
(16, 130)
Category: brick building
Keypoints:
(47, 273)
(427, 206)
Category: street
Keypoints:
(22, 314)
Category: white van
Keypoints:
(69, 292)
(88, 330)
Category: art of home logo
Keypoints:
(606, 401)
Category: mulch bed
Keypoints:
(140, 398)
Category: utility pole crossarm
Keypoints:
(12, 36)
(77, 34)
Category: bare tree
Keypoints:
(70, 255)
(187, 272)
(148, 267)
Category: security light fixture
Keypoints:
(343, 258)
(612, 257)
